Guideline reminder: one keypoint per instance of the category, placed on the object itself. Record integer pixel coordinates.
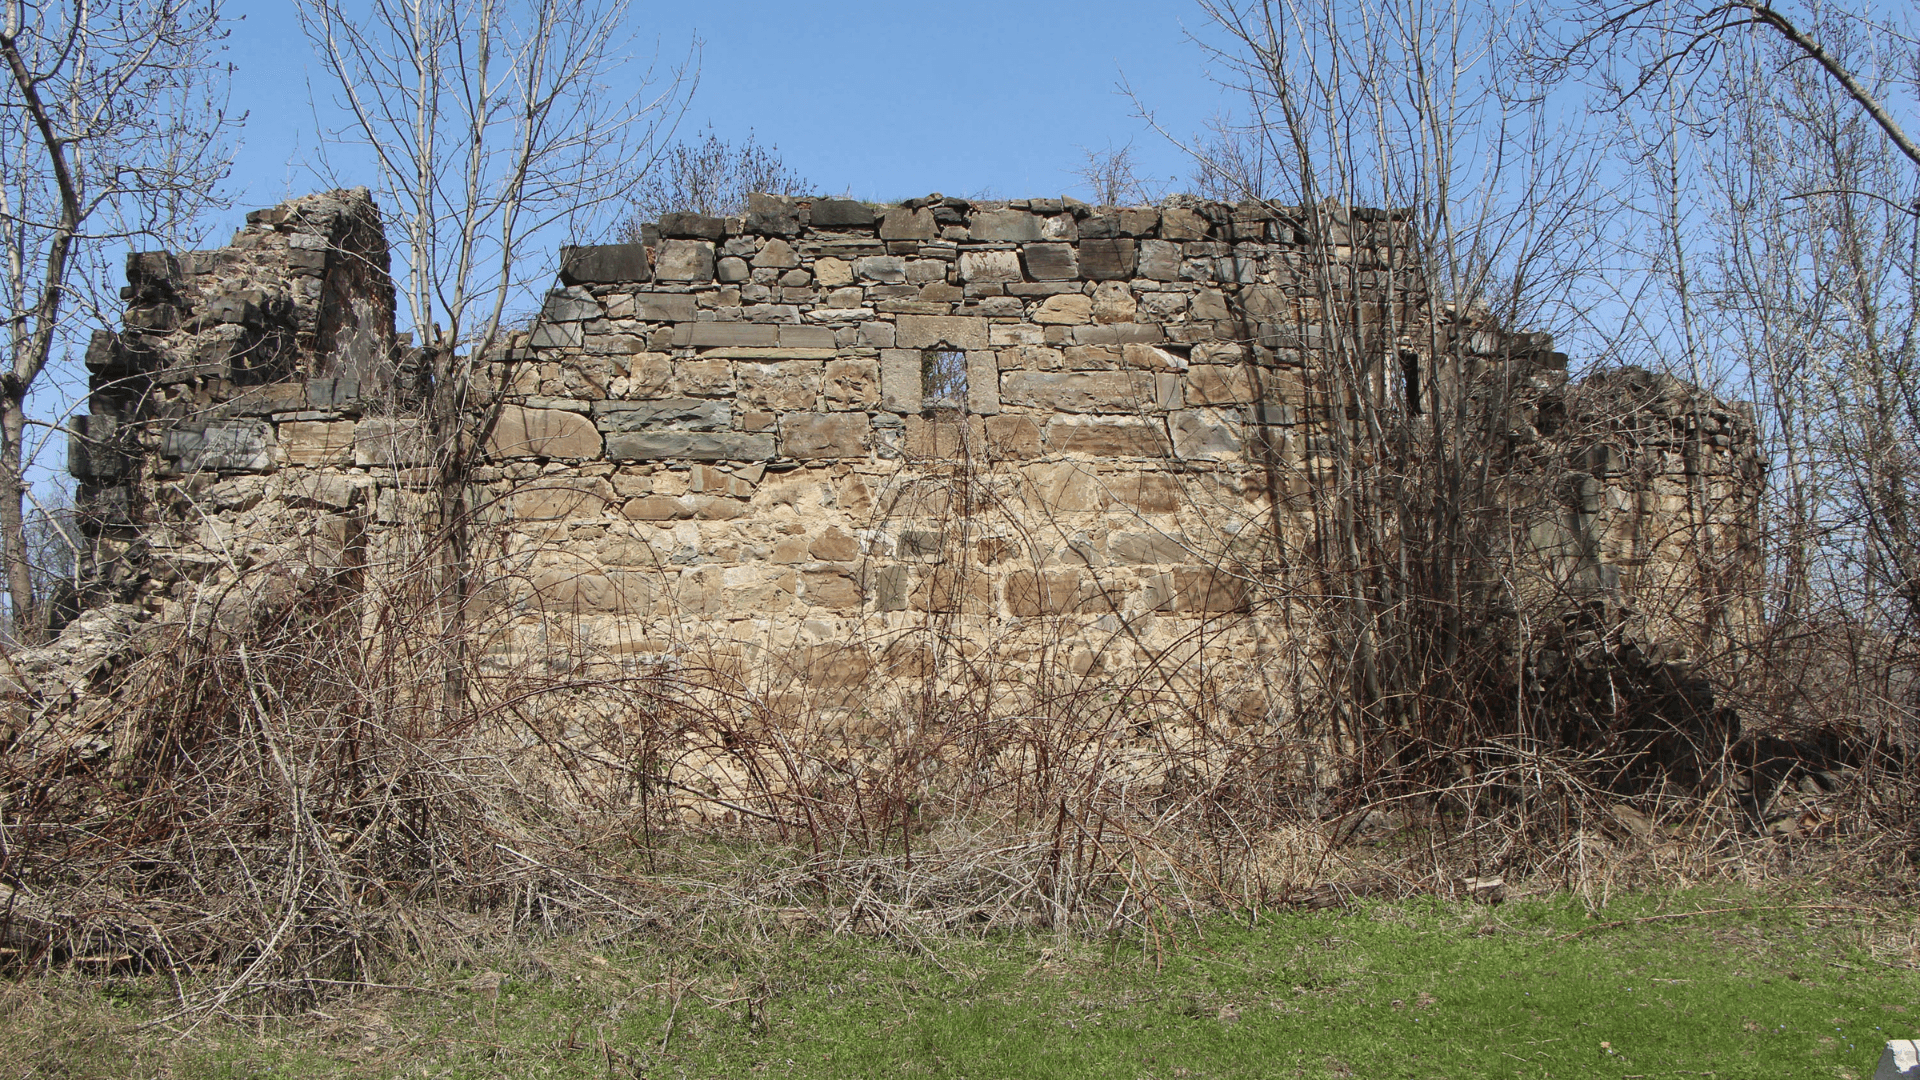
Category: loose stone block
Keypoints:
(976, 266)
(1051, 262)
(1078, 391)
(811, 436)
(687, 414)
(934, 331)
(1107, 260)
(317, 442)
(1017, 226)
(689, 445)
(1113, 302)
(900, 380)
(684, 260)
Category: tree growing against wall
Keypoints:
(115, 135)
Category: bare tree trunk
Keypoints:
(25, 623)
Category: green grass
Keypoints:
(1782, 987)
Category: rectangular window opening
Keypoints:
(1410, 376)
(943, 380)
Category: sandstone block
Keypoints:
(684, 260)
(1107, 260)
(841, 214)
(777, 255)
(317, 442)
(581, 589)
(549, 335)
(550, 433)
(953, 587)
(853, 383)
(1078, 391)
(689, 445)
(684, 226)
(663, 307)
(605, 264)
(731, 270)
(1107, 436)
(838, 590)
(813, 436)
(978, 266)
(403, 442)
(886, 269)
(1035, 593)
(1149, 492)
(328, 490)
(1063, 487)
(1219, 384)
(1204, 434)
(686, 414)
(983, 383)
(901, 389)
(1012, 436)
(1159, 260)
(552, 498)
(793, 384)
(933, 331)
(834, 545)
(903, 224)
(1152, 358)
(1120, 333)
(1147, 548)
(1016, 226)
(570, 305)
(1182, 224)
(703, 335)
(1206, 589)
(707, 378)
(1113, 302)
(832, 273)
(1067, 309)
(1051, 262)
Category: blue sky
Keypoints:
(882, 101)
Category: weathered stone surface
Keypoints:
(692, 227)
(731, 270)
(1113, 302)
(841, 214)
(1051, 262)
(687, 414)
(810, 436)
(1035, 593)
(1159, 260)
(1120, 334)
(983, 383)
(933, 331)
(1017, 226)
(1182, 224)
(1107, 436)
(832, 273)
(793, 384)
(689, 445)
(886, 269)
(1147, 548)
(1207, 589)
(1015, 436)
(1067, 309)
(1152, 358)
(1219, 384)
(605, 264)
(777, 255)
(1107, 260)
(553, 498)
(400, 441)
(900, 380)
(663, 307)
(720, 335)
(222, 446)
(1078, 391)
(548, 335)
(576, 589)
(854, 383)
(1207, 434)
(903, 224)
(684, 260)
(990, 266)
(327, 490)
(318, 442)
(571, 304)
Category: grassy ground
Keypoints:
(1760, 985)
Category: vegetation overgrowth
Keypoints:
(1727, 980)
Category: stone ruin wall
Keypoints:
(716, 449)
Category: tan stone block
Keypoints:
(649, 374)
(1113, 302)
(835, 665)
(761, 590)
(758, 420)
(1107, 436)
(990, 266)
(953, 587)
(583, 589)
(1063, 487)
(1208, 305)
(657, 508)
(703, 378)
(854, 383)
(834, 545)
(1182, 224)
(1012, 436)
(901, 387)
(832, 273)
(837, 590)
(391, 442)
(779, 387)
(1148, 492)
(1219, 384)
(1007, 335)
(1030, 358)
(813, 436)
(1079, 391)
(315, 443)
(553, 498)
(1147, 548)
(548, 433)
(936, 331)
(1052, 592)
(929, 438)
(1066, 309)
(1208, 589)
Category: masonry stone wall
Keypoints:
(836, 455)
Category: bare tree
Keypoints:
(712, 177)
(115, 133)
(1112, 177)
